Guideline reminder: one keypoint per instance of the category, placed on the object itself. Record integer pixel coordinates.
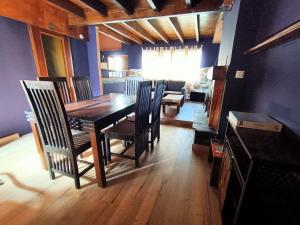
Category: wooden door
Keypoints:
(52, 54)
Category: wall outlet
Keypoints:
(239, 74)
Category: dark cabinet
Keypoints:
(263, 185)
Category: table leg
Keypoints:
(38, 145)
(178, 108)
(98, 158)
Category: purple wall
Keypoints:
(274, 76)
(240, 25)
(93, 60)
(80, 57)
(16, 63)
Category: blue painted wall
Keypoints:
(271, 83)
(273, 79)
(80, 57)
(93, 60)
(16, 63)
(240, 25)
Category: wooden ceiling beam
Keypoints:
(108, 32)
(96, 6)
(123, 31)
(156, 5)
(146, 13)
(191, 3)
(137, 29)
(158, 30)
(68, 6)
(197, 27)
(219, 30)
(125, 5)
(176, 27)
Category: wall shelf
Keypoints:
(289, 33)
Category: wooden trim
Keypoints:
(68, 6)
(8, 139)
(289, 33)
(99, 60)
(219, 29)
(137, 29)
(176, 27)
(34, 51)
(96, 6)
(123, 31)
(158, 30)
(109, 33)
(197, 27)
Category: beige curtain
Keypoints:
(172, 63)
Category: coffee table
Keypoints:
(171, 99)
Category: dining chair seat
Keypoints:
(124, 130)
(82, 142)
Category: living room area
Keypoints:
(180, 51)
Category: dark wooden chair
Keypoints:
(82, 87)
(131, 85)
(62, 87)
(136, 132)
(155, 114)
(61, 147)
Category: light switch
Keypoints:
(239, 74)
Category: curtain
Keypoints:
(172, 63)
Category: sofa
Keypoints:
(174, 87)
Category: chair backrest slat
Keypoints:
(83, 88)
(131, 85)
(62, 87)
(157, 100)
(142, 108)
(50, 114)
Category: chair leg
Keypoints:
(107, 143)
(76, 174)
(77, 181)
(158, 134)
(137, 163)
(152, 140)
(51, 174)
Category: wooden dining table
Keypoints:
(94, 115)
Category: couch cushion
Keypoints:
(172, 85)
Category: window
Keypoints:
(117, 66)
(172, 63)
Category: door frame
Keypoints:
(35, 35)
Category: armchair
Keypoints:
(174, 87)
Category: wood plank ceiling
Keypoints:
(138, 21)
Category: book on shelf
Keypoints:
(258, 121)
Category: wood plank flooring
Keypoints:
(170, 188)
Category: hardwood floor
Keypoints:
(170, 188)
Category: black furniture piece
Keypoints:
(264, 179)
(82, 87)
(174, 87)
(61, 85)
(137, 132)
(60, 146)
(155, 115)
(197, 96)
